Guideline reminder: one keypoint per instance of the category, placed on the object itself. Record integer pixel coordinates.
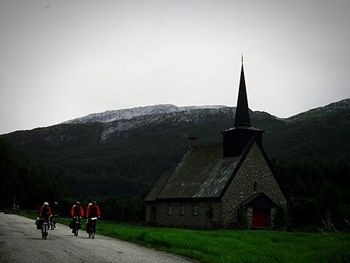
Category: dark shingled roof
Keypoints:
(201, 173)
(152, 195)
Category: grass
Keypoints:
(222, 246)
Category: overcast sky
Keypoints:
(64, 59)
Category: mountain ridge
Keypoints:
(124, 157)
(130, 113)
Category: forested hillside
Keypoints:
(25, 184)
(310, 152)
(125, 157)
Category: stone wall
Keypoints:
(185, 214)
(253, 169)
(148, 211)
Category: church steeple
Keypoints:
(242, 111)
(237, 138)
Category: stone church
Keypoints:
(225, 185)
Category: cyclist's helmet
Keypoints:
(46, 204)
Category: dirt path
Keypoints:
(21, 242)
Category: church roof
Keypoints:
(152, 195)
(245, 128)
(201, 173)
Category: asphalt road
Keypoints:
(20, 241)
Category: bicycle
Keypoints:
(53, 221)
(91, 227)
(76, 225)
(44, 229)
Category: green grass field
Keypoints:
(223, 246)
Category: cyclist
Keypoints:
(93, 210)
(92, 213)
(76, 213)
(55, 209)
(55, 214)
(44, 215)
(45, 211)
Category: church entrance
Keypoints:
(259, 205)
(261, 217)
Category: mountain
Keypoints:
(336, 107)
(123, 152)
(319, 134)
(127, 114)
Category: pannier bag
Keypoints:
(39, 223)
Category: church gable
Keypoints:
(253, 177)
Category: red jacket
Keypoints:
(76, 211)
(93, 211)
(45, 212)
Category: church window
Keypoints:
(195, 210)
(182, 211)
(255, 186)
(170, 210)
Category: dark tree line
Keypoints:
(23, 184)
(112, 208)
(317, 191)
(27, 186)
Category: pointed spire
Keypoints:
(242, 111)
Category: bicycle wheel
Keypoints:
(93, 230)
(44, 230)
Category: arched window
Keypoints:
(195, 210)
(182, 211)
(255, 186)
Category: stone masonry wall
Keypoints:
(148, 212)
(253, 169)
(183, 213)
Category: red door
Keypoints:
(261, 217)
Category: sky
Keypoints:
(67, 58)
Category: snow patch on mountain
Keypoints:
(194, 115)
(128, 114)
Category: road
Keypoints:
(20, 241)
